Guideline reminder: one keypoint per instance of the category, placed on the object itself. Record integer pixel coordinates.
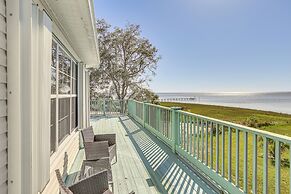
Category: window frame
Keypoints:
(71, 95)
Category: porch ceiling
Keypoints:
(76, 19)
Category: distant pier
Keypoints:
(178, 99)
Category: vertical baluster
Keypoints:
(184, 132)
(222, 152)
(211, 145)
(198, 138)
(150, 115)
(194, 138)
(182, 124)
(206, 145)
(217, 148)
(265, 166)
(179, 129)
(158, 119)
(163, 121)
(229, 153)
(202, 140)
(161, 124)
(187, 133)
(170, 123)
(153, 117)
(245, 162)
(254, 163)
(166, 122)
(290, 168)
(277, 167)
(191, 132)
(237, 158)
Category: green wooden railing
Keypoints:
(225, 152)
(107, 106)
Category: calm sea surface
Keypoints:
(276, 102)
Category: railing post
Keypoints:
(144, 113)
(175, 127)
(104, 106)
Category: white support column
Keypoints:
(29, 56)
(81, 95)
(14, 110)
(87, 98)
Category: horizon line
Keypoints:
(287, 91)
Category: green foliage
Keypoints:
(145, 95)
(253, 121)
(127, 61)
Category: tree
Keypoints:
(146, 95)
(128, 62)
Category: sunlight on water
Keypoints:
(276, 102)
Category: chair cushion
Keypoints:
(88, 134)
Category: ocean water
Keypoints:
(275, 101)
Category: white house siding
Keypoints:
(3, 100)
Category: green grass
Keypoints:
(269, 121)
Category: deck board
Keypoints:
(145, 164)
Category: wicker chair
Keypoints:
(89, 137)
(96, 150)
(93, 184)
(97, 166)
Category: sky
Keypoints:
(212, 45)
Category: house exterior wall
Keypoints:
(3, 100)
(66, 152)
(25, 109)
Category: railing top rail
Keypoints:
(136, 101)
(159, 106)
(270, 135)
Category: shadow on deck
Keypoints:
(143, 156)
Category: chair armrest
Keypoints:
(111, 138)
(97, 183)
(96, 150)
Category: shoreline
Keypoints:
(279, 102)
(230, 106)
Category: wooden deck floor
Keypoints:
(146, 165)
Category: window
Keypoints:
(64, 99)
(74, 113)
(64, 118)
(53, 125)
(53, 68)
(64, 72)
